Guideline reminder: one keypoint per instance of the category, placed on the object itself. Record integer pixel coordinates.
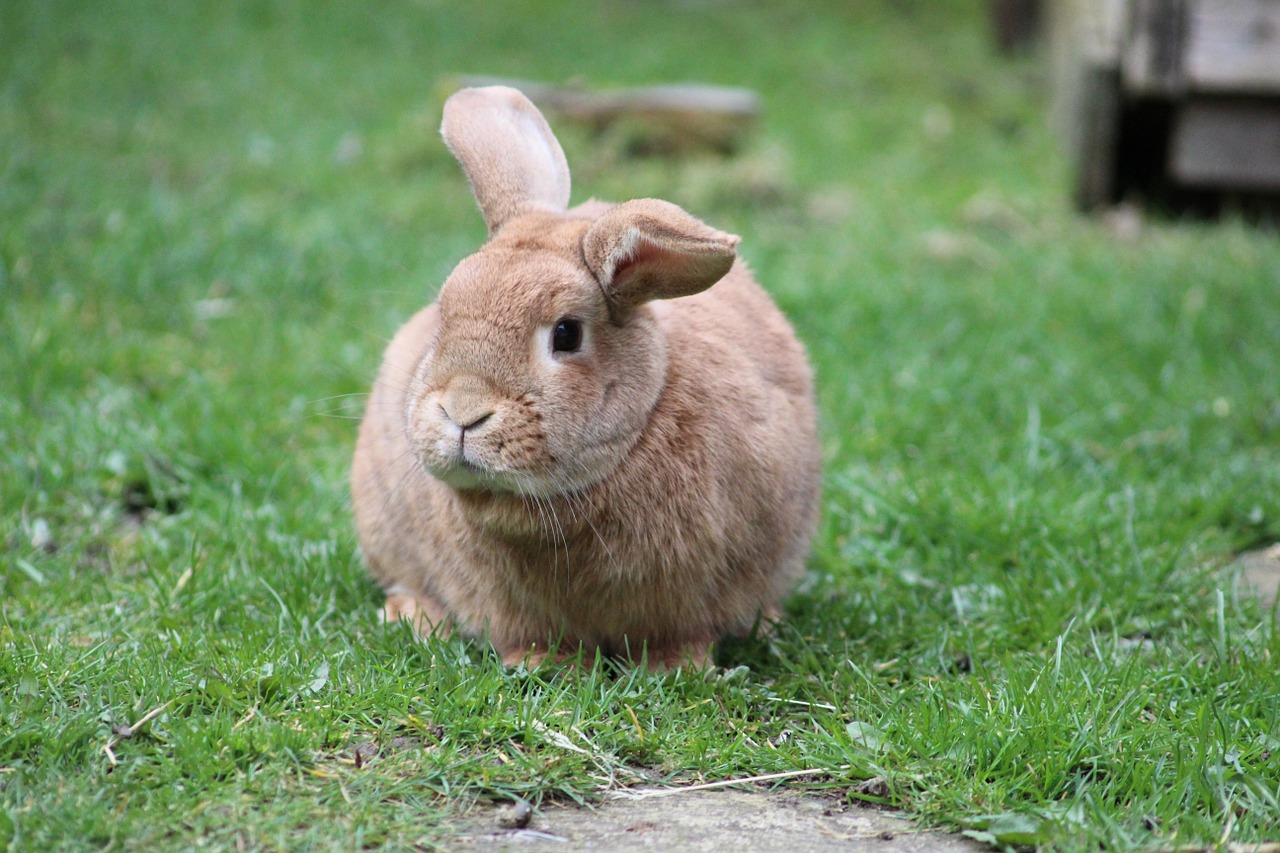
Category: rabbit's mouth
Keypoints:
(467, 475)
(463, 474)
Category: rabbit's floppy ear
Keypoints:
(650, 249)
(507, 151)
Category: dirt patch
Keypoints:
(1261, 570)
(708, 821)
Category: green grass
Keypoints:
(1044, 442)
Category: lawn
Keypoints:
(1045, 437)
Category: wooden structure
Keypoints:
(1172, 99)
(1015, 23)
(673, 119)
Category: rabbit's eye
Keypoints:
(566, 336)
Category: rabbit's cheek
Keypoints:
(517, 444)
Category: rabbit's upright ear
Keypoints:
(508, 152)
(649, 249)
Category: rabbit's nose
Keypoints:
(475, 423)
(467, 402)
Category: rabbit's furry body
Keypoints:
(652, 489)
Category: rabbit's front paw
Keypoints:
(426, 615)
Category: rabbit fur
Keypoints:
(644, 494)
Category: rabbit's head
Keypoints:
(547, 358)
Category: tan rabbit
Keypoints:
(583, 443)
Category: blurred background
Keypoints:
(225, 209)
(218, 213)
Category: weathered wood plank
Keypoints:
(1084, 45)
(1234, 46)
(1227, 144)
(1152, 56)
(666, 119)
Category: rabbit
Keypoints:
(601, 436)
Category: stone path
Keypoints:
(709, 821)
(1261, 570)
